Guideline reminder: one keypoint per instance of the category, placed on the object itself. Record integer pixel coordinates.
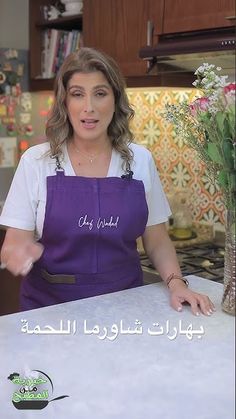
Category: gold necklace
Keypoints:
(90, 157)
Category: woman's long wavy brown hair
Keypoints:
(59, 129)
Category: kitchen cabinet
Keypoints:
(119, 28)
(191, 15)
(115, 27)
(9, 288)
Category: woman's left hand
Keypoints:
(160, 250)
(180, 294)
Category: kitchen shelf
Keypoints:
(37, 26)
(40, 84)
(67, 22)
(171, 80)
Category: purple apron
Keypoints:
(89, 236)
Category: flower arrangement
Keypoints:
(208, 126)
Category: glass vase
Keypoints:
(228, 300)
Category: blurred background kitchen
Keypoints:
(158, 44)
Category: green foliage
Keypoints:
(213, 153)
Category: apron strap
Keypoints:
(129, 175)
(58, 167)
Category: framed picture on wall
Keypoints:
(8, 152)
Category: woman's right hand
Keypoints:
(20, 251)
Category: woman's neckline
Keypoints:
(72, 171)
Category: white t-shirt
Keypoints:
(25, 204)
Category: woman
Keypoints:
(78, 203)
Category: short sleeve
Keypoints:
(19, 210)
(158, 206)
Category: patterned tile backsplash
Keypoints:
(179, 168)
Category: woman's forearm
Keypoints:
(161, 251)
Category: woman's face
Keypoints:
(90, 104)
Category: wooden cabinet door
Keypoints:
(119, 28)
(9, 288)
(191, 15)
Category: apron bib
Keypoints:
(89, 237)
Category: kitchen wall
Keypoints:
(14, 112)
(14, 14)
(180, 171)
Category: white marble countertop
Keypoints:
(111, 373)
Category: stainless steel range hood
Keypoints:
(185, 52)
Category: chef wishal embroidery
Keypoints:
(111, 222)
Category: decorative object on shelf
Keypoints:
(72, 7)
(208, 126)
(52, 11)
